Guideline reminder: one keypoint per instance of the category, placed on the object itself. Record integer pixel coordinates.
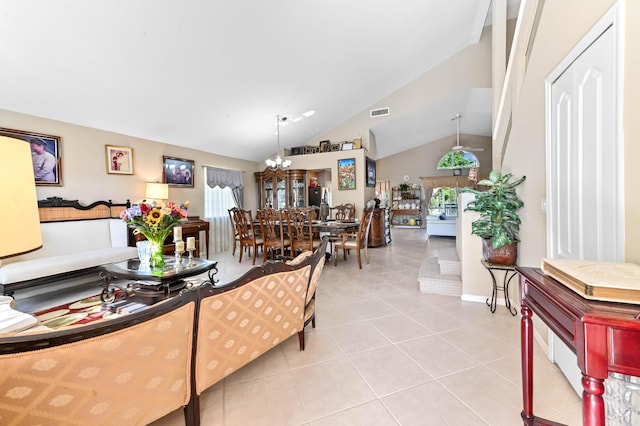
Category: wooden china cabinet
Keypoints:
(281, 189)
(379, 233)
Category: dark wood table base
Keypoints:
(605, 336)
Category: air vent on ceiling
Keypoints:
(379, 112)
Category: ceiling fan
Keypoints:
(459, 147)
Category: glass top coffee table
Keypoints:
(152, 282)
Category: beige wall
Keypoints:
(84, 173)
(631, 125)
(438, 84)
(525, 153)
(329, 161)
(423, 160)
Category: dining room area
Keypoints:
(270, 234)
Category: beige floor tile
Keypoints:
(412, 302)
(271, 363)
(492, 397)
(478, 343)
(571, 416)
(436, 356)
(378, 344)
(551, 391)
(328, 316)
(358, 337)
(430, 404)
(388, 370)
(212, 407)
(372, 413)
(330, 387)
(373, 307)
(436, 320)
(269, 401)
(319, 347)
(399, 327)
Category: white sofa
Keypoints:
(68, 247)
(441, 227)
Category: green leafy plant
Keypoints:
(454, 160)
(497, 206)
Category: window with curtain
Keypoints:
(223, 190)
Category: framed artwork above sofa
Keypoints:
(45, 152)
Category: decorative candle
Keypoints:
(191, 243)
(177, 233)
(180, 246)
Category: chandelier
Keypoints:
(278, 163)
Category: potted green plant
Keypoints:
(499, 223)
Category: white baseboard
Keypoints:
(481, 299)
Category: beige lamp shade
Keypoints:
(18, 199)
(157, 191)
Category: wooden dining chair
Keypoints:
(234, 229)
(355, 240)
(247, 235)
(345, 211)
(271, 227)
(299, 223)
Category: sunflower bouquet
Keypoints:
(155, 222)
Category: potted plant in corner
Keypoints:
(499, 223)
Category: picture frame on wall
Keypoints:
(347, 174)
(45, 155)
(119, 160)
(325, 146)
(371, 172)
(177, 172)
(346, 146)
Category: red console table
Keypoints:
(604, 335)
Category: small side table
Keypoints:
(509, 273)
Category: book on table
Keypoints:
(597, 280)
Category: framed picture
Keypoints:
(119, 160)
(45, 154)
(177, 172)
(371, 172)
(325, 146)
(346, 146)
(347, 173)
(357, 143)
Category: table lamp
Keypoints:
(157, 191)
(19, 212)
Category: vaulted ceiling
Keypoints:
(213, 74)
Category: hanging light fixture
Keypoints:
(278, 162)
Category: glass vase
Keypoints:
(157, 258)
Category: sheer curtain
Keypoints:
(224, 189)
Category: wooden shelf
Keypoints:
(406, 211)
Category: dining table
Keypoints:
(333, 227)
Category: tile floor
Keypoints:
(385, 354)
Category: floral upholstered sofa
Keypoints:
(136, 368)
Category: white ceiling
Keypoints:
(213, 74)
